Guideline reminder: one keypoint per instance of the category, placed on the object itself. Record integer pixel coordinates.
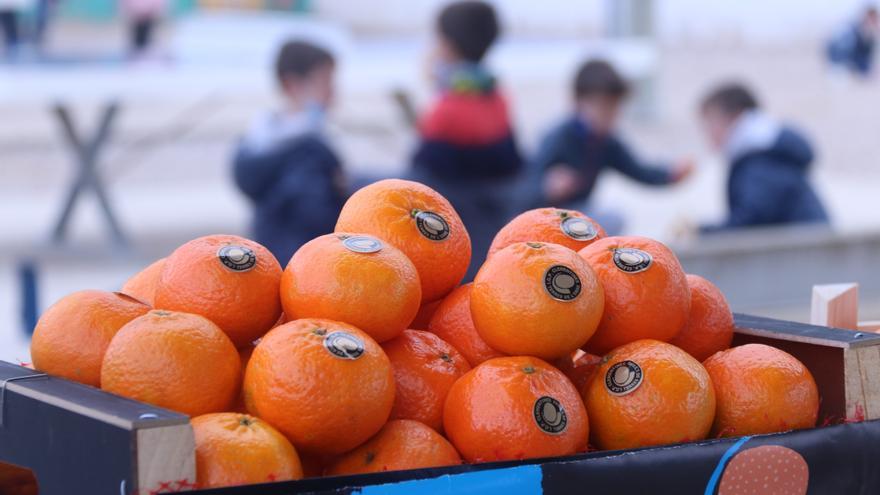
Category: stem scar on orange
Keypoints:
(418, 221)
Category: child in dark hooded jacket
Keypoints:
(768, 182)
(284, 163)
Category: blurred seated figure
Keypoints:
(10, 14)
(853, 47)
(467, 150)
(284, 163)
(769, 162)
(574, 153)
(143, 16)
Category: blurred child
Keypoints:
(574, 153)
(284, 163)
(853, 47)
(467, 150)
(769, 163)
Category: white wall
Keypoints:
(753, 21)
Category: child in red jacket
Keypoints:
(467, 149)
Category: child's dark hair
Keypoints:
(599, 78)
(299, 59)
(470, 27)
(731, 98)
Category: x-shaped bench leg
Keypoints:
(86, 153)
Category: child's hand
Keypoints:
(682, 169)
(684, 230)
(561, 182)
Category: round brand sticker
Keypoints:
(562, 283)
(362, 243)
(578, 229)
(632, 260)
(432, 225)
(344, 345)
(237, 258)
(623, 378)
(550, 415)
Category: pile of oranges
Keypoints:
(365, 354)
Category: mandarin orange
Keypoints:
(178, 361)
(326, 385)
(71, 337)
(353, 278)
(418, 221)
(648, 393)
(536, 299)
(646, 292)
(237, 449)
(515, 408)
(230, 280)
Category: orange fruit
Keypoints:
(353, 278)
(579, 367)
(237, 449)
(244, 355)
(646, 292)
(178, 361)
(425, 367)
(400, 444)
(72, 335)
(326, 385)
(15, 480)
(568, 228)
(426, 312)
(452, 322)
(515, 408)
(142, 285)
(420, 222)
(536, 299)
(761, 389)
(647, 393)
(709, 327)
(229, 280)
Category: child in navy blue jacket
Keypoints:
(768, 182)
(467, 149)
(573, 154)
(284, 163)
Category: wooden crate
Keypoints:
(80, 440)
(73, 435)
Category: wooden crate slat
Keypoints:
(800, 332)
(76, 437)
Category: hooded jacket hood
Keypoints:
(755, 132)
